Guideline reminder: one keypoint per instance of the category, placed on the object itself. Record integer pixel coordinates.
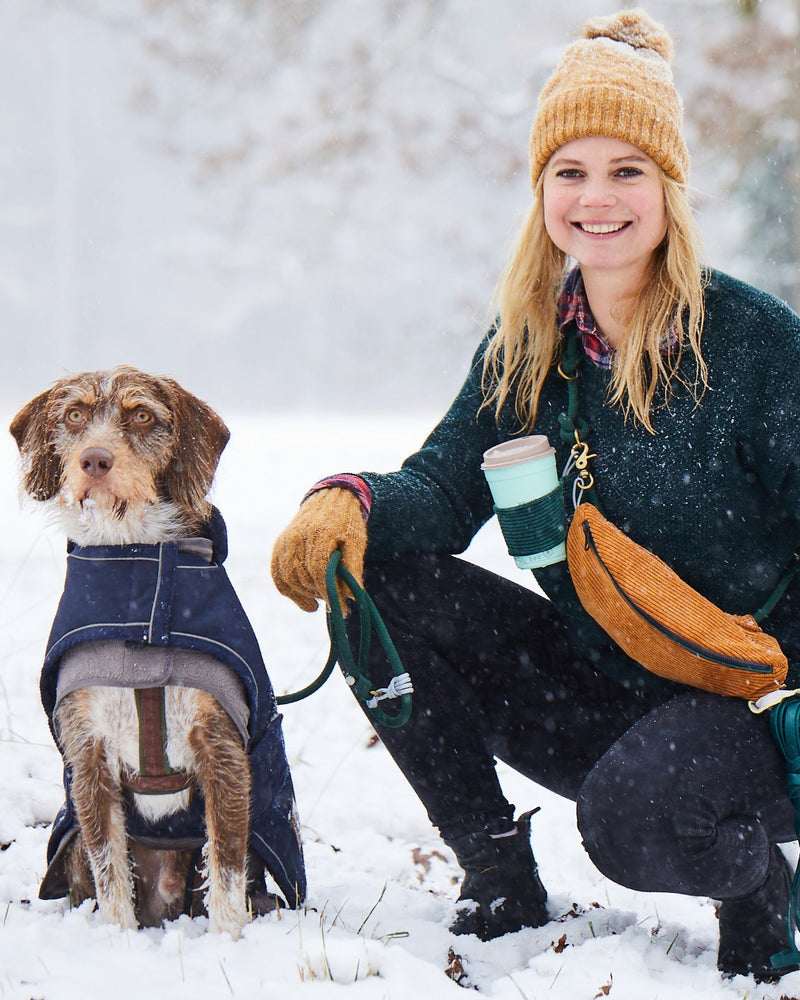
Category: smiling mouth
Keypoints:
(601, 228)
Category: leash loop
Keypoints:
(341, 649)
(400, 687)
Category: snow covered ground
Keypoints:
(381, 883)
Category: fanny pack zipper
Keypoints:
(701, 651)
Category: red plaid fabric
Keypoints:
(573, 306)
(346, 481)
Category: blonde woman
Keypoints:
(689, 386)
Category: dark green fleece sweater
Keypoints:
(715, 492)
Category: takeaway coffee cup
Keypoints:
(527, 496)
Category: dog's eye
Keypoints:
(75, 416)
(141, 418)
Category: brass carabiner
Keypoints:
(582, 461)
(580, 454)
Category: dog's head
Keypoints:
(120, 441)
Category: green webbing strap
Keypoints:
(573, 429)
(784, 723)
(571, 420)
(781, 587)
(400, 686)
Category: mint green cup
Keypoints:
(524, 484)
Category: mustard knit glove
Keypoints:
(330, 519)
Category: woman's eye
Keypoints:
(629, 172)
(568, 173)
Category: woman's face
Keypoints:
(604, 206)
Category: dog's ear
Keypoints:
(200, 439)
(32, 429)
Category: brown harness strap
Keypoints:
(155, 776)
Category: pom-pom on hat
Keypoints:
(615, 81)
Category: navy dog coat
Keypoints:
(172, 594)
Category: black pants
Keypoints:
(674, 793)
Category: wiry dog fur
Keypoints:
(123, 457)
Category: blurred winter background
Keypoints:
(287, 203)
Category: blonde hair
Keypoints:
(527, 342)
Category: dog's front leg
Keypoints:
(224, 774)
(97, 796)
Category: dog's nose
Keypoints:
(96, 462)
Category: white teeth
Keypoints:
(604, 227)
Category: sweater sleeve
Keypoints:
(438, 499)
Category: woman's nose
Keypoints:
(598, 193)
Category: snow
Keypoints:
(381, 883)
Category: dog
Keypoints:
(157, 767)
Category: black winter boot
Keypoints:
(753, 929)
(501, 891)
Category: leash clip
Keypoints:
(581, 455)
(578, 461)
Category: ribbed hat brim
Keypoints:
(612, 111)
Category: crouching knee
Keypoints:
(599, 825)
(624, 831)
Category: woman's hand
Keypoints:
(328, 520)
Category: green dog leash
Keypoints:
(400, 687)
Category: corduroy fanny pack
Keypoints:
(662, 622)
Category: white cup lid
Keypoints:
(524, 449)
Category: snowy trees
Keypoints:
(745, 105)
(333, 181)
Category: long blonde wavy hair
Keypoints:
(527, 342)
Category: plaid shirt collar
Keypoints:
(573, 307)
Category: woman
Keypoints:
(689, 386)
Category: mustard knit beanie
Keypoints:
(616, 81)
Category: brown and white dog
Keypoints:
(124, 458)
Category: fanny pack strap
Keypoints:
(789, 574)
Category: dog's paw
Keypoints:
(119, 912)
(227, 905)
(229, 922)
